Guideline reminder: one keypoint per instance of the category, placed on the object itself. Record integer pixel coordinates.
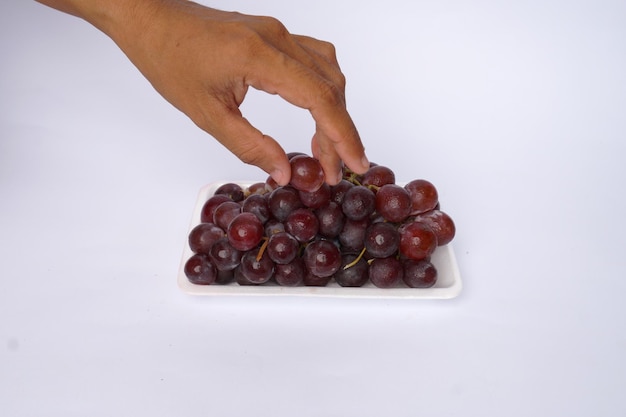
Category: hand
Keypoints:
(203, 60)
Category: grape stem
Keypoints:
(356, 260)
(259, 255)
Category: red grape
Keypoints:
(245, 231)
(322, 258)
(306, 173)
(424, 196)
(200, 270)
(417, 240)
(393, 203)
(419, 274)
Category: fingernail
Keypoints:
(365, 162)
(339, 176)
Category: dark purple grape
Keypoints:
(359, 203)
(417, 240)
(354, 276)
(208, 209)
(203, 236)
(378, 176)
(200, 270)
(270, 184)
(330, 219)
(225, 213)
(240, 279)
(282, 201)
(311, 280)
(381, 240)
(322, 258)
(291, 274)
(315, 199)
(441, 223)
(225, 277)
(352, 236)
(232, 190)
(257, 204)
(302, 224)
(273, 226)
(224, 256)
(419, 274)
(393, 203)
(306, 173)
(290, 155)
(339, 190)
(386, 272)
(256, 270)
(257, 188)
(282, 248)
(424, 196)
(245, 231)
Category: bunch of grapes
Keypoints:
(365, 229)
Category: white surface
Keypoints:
(448, 283)
(515, 110)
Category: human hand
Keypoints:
(203, 60)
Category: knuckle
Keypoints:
(331, 94)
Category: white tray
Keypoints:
(448, 283)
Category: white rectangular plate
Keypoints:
(448, 281)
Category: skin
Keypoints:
(203, 61)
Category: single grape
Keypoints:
(257, 204)
(232, 190)
(273, 226)
(270, 184)
(311, 280)
(291, 274)
(256, 188)
(386, 272)
(378, 176)
(245, 231)
(282, 201)
(338, 191)
(330, 219)
(322, 258)
(203, 236)
(359, 203)
(208, 209)
(225, 213)
(302, 224)
(352, 235)
(355, 275)
(393, 203)
(381, 240)
(306, 173)
(200, 270)
(423, 194)
(282, 247)
(419, 274)
(225, 277)
(241, 279)
(441, 223)
(257, 271)
(315, 199)
(293, 154)
(417, 240)
(224, 256)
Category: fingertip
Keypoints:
(280, 175)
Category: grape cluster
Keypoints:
(364, 229)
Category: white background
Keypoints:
(515, 110)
